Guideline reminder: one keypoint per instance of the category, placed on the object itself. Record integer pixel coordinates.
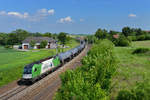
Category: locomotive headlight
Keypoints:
(27, 76)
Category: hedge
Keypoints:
(92, 80)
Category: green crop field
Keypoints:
(12, 62)
(145, 44)
(133, 68)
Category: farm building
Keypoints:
(51, 43)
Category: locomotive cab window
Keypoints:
(27, 70)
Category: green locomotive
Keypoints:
(35, 70)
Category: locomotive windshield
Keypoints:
(27, 70)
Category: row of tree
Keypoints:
(17, 36)
(120, 38)
(126, 31)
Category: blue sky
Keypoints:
(73, 16)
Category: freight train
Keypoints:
(39, 69)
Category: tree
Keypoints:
(111, 32)
(32, 43)
(91, 39)
(37, 34)
(43, 44)
(126, 31)
(139, 31)
(69, 38)
(54, 36)
(20, 35)
(62, 37)
(101, 34)
(47, 34)
(3, 38)
(12, 39)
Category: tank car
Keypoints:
(65, 56)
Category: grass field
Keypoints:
(132, 67)
(137, 44)
(12, 62)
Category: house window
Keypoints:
(25, 46)
(38, 46)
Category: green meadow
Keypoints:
(133, 68)
(12, 62)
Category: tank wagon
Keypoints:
(39, 69)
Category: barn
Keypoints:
(51, 43)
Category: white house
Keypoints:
(51, 43)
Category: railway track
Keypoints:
(12, 92)
(46, 87)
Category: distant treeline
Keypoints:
(121, 38)
(17, 36)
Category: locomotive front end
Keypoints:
(27, 73)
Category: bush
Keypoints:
(132, 38)
(92, 80)
(32, 43)
(43, 44)
(141, 37)
(8, 46)
(121, 41)
(147, 37)
(125, 95)
(140, 50)
(140, 92)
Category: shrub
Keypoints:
(140, 92)
(141, 37)
(140, 50)
(8, 47)
(147, 37)
(92, 80)
(43, 44)
(121, 41)
(32, 43)
(125, 95)
(132, 38)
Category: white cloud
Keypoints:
(42, 10)
(40, 14)
(17, 14)
(3, 13)
(81, 20)
(65, 20)
(132, 15)
(45, 12)
(51, 11)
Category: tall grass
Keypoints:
(133, 70)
